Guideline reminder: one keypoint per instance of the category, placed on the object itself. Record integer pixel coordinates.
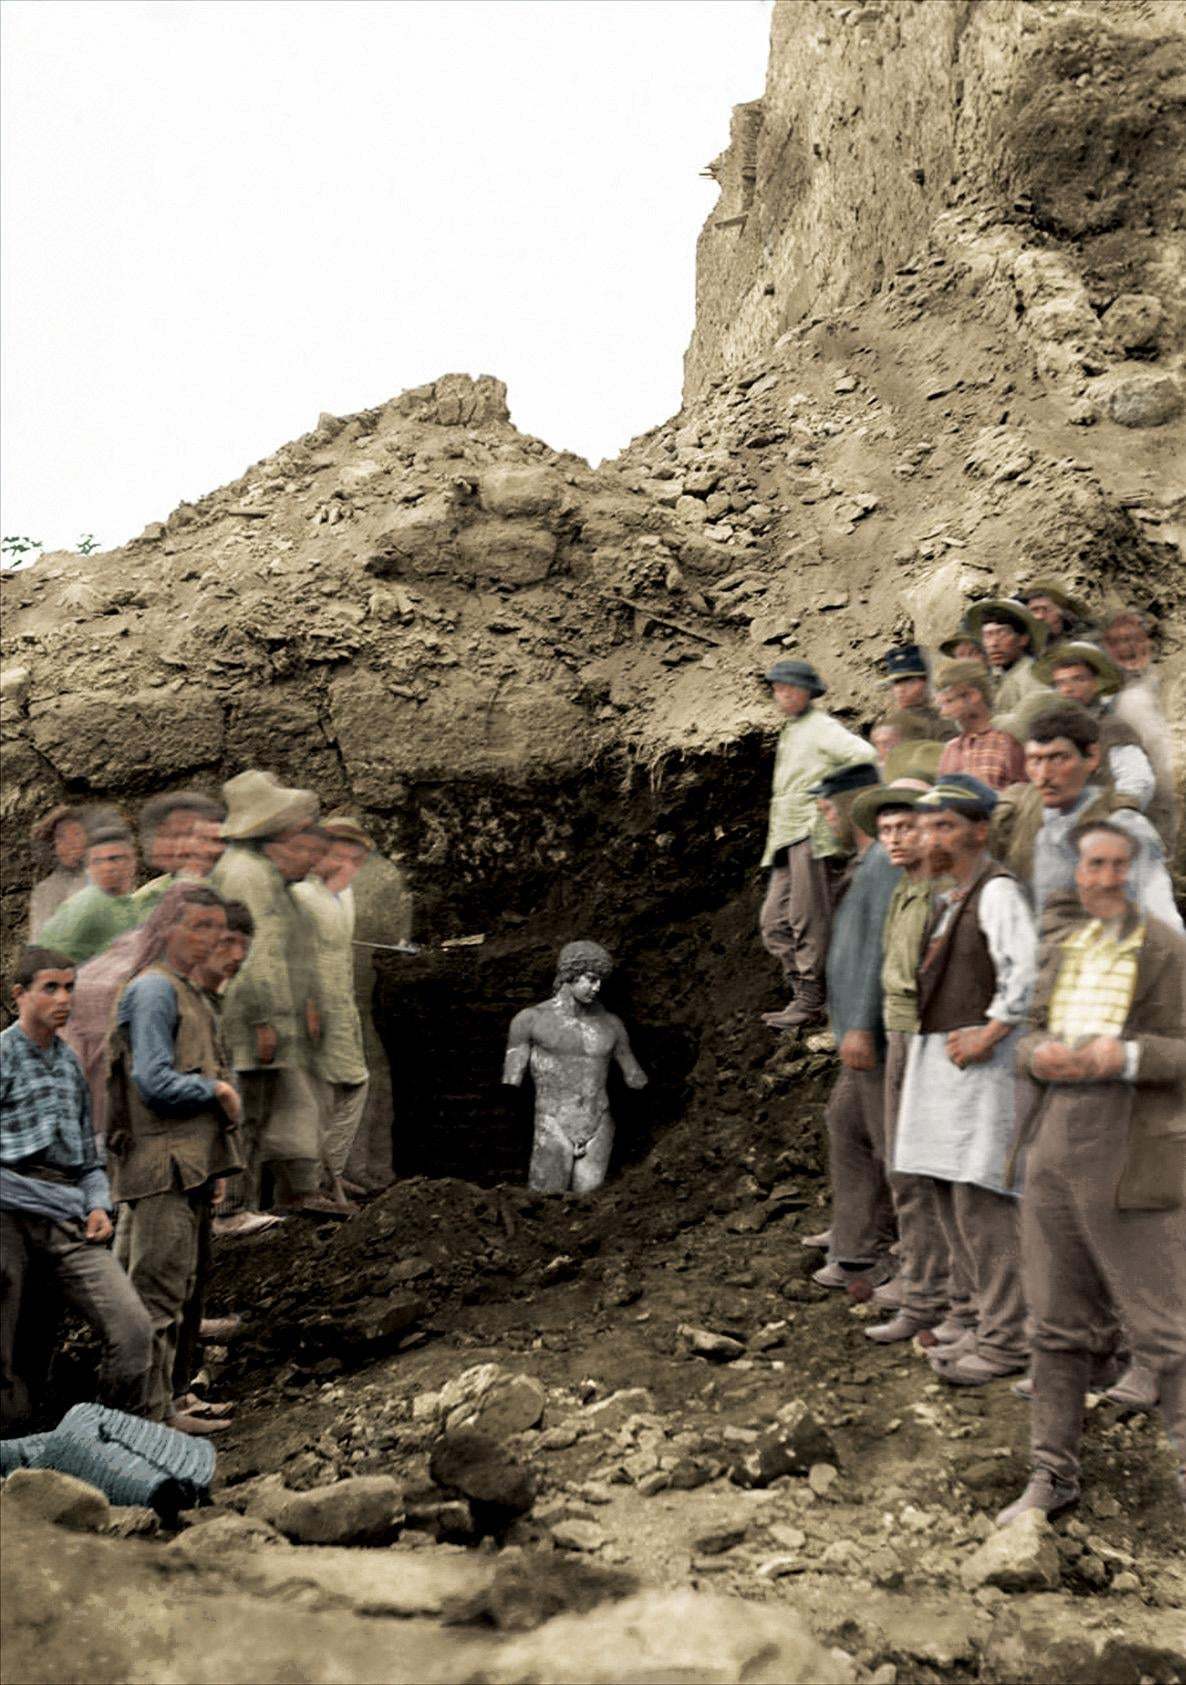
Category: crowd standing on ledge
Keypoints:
(972, 902)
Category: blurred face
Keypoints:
(339, 864)
(1003, 644)
(832, 814)
(168, 849)
(963, 705)
(586, 988)
(1058, 771)
(790, 700)
(204, 848)
(70, 844)
(1077, 682)
(909, 693)
(1045, 608)
(1127, 642)
(111, 867)
(194, 937)
(43, 1006)
(1101, 876)
(295, 853)
(225, 961)
(966, 649)
(884, 738)
(898, 834)
(948, 840)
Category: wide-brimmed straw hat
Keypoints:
(903, 792)
(914, 759)
(1074, 653)
(259, 806)
(1073, 606)
(343, 827)
(1007, 608)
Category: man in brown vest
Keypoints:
(1103, 1226)
(955, 1119)
(172, 1115)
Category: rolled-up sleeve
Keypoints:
(1007, 924)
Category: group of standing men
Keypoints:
(192, 1053)
(981, 907)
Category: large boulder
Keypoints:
(1020, 1557)
(496, 1483)
(794, 1445)
(368, 1510)
(49, 1495)
(492, 1400)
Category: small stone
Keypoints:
(1133, 320)
(886, 1674)
(611, 1412)
(715, 1541)
(579, 1535)
(1144, 400)
(1126, 1582)
(559, 1438)
(821, 1477)
(650, 1484)
(796, 1441)
(1019, 1557)
(50, 1495)
(846, 383)
(493, 1401)
(719, 1348)
(791, 1538)
(363, 1511)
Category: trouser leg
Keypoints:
(922, 1250)
(961, 1284)
(809, 915)
(344, 1104)
(370, 1161)
(778, 938)
(243, 1191)
(16, 1404)
(290, 1140)
(988, 1222)
(590, 1168)
(162, 1265)
(187, 1362)
(98, 1288)
(861, 1216)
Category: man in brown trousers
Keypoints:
(1103, 1209)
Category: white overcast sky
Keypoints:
(223, 217)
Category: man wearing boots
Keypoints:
(801, 853)
(955, 1120)
(1103, 1227)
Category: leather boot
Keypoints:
(1173, 1414)
(1061, 1380)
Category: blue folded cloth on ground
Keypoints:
(132, 1460)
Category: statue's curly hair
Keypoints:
(578, 959)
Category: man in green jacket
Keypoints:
(91, 920)
(1103, 1208)
(802, 853)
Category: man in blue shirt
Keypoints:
(55, 1202)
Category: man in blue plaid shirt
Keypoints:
(55, 1202)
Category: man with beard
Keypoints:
(955, 1120)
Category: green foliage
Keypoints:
(87, 543)
(14, 550)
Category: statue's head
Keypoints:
(584, 966)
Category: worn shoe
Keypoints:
(796, 1016)
(245, 1223)
(1024, 1389)
(220, 1329)
(1045, 1492)
(971, 1370)
(900, 1327)
(818, 1242)
(868, 1275)
(1137, 1389)
(890, 1293)
(317, 1205)
(947, 1332)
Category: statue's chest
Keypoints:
(590, 1039)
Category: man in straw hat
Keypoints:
(918, 1295)
(1103, 1210)
(1082, 673)
(955, 1119)
(1064, 616)
(339, 1057)
(1012, 637)
(801, 851)
(270, 1017)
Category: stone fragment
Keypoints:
(610, 1413)
(1020, 1557)
(492, 1400)
(1133, 320)
(486, 1472)
(719, 1348)
(691, 509)
(517, 492)
(132, 1521)
(795, 1442)
(574, 1534)
(1148, 399)
(209, 1541)
(821, 1477)
(368, 1510)
(676, 1635)
(723, 1536)
(49, 1495)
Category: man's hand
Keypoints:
(973, 1046)
(228, 1098)
(858, 1050)
(1053, 1061)
(266, 1043)
(98, 1226)
(1102, 1059)
(313, 1020)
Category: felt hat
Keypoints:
(905, 661)
(259, 806)
(914, 760)
(1008, 609)
(845, 779)
(962, 794)
(343, 827)
(954, 673)
(1076, 650)
(961, 635)
(788, 672)
(903, 792)
(1073, 606)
